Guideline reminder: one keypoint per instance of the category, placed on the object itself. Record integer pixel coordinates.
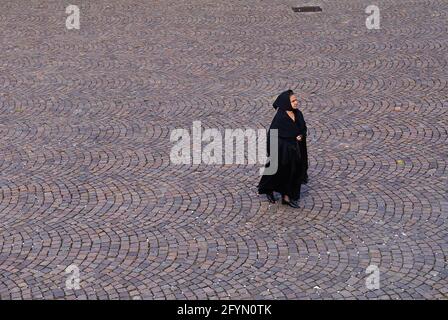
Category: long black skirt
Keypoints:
(291, 171)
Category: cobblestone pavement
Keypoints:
(86, 179)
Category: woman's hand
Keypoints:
(299, 137)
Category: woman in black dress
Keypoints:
(292, 152)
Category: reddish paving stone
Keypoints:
(85, 175)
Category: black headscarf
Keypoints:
(283, 102)
(282, 122)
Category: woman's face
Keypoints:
(294, 102)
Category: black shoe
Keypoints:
(291, 203)
(271, 197)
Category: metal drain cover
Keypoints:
(307, 9)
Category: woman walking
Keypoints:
(292, 152)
